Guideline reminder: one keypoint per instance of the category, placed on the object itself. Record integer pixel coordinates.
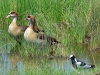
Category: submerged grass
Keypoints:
(70, 21)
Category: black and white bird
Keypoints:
(79, 64)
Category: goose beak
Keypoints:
(8, 16)
(25, 19)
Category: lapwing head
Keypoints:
(12, 14)
(72, 57)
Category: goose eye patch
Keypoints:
(12, 12)
(28, 16)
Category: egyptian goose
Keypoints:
(79, 64)
(31, 36)
(15, 30)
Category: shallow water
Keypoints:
(15, 63)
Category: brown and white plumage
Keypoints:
(15, 30)
(31, 35)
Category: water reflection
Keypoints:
(63, 65)
(20, 68)
(8, 63)
(5, 63)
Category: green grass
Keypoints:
(66, 20)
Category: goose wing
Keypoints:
(23, 28)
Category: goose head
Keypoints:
(31, 18)
(12, 14)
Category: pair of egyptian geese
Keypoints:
(31, 32)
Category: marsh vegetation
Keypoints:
(75, 23)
